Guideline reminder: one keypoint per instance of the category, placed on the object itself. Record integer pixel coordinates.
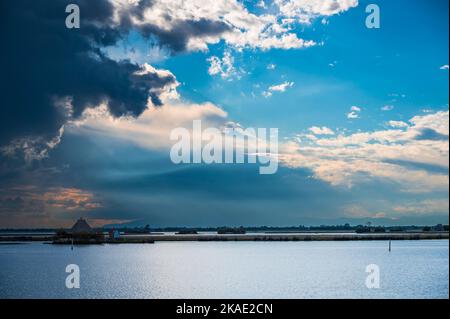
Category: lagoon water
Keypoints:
(326, 269)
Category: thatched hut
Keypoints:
(81, 227)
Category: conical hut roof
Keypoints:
(81, 226)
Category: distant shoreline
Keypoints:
(150, 238)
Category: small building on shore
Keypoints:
(80, 233)
(81, 227)
(114, 234)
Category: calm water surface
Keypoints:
(414, 269)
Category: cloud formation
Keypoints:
(34, 206)
(354, 113)
(306, 10)
(398, 124)
(412, 155)
(321, 130)
(53, 74)
(280, 88)
(223, 66)
(192, 25)
(152, 129)
(387, 108)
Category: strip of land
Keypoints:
(150, 238)
(296, 237)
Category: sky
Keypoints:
(362, 113)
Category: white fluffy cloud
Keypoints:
(387, 108)
(306, 10)
(223, 67)
(277, 88)
(281, 87)
(152, 129)
(321, 130)
(394, 155)
(398, 124)
(354, 113)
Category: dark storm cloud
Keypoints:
(43, 62)
(181, 31)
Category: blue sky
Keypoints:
(371, 65)
(362, 114)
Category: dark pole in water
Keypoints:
(71, 247)
(389, 245)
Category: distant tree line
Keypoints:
(368, 228)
